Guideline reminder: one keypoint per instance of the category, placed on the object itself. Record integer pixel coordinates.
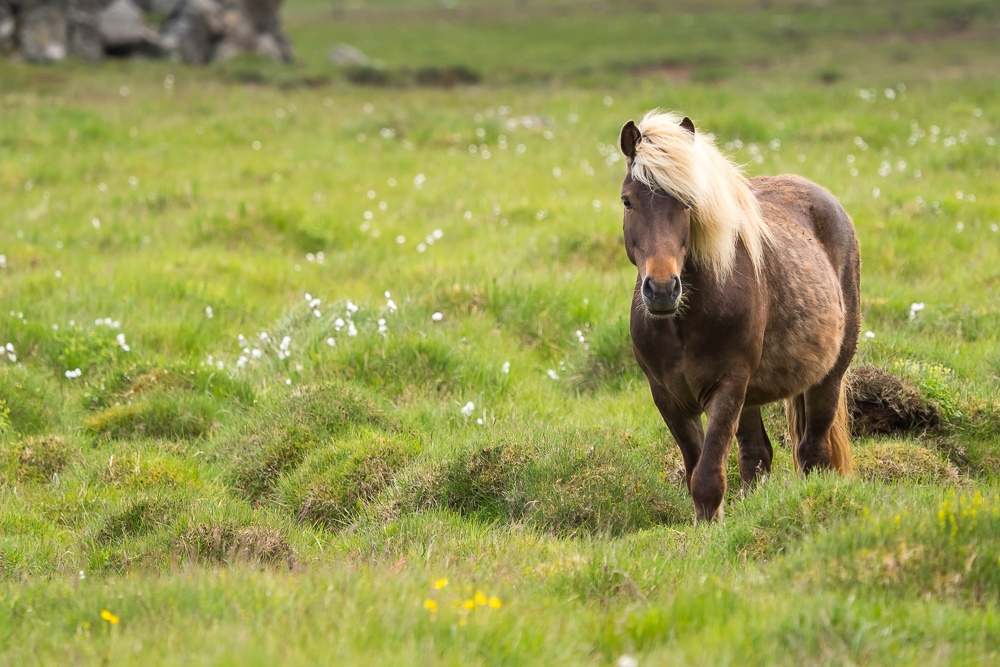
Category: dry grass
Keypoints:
(902, 461)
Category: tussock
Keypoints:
(137, 517)
(311, 416)
(904, 462)
(228, 543)
(34, 459)
(882, 403)
(159, 416)
(335, 484)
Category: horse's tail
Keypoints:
(841, 459)
(840, 432)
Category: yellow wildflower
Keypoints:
(495, 603)
(430, 605)
(461, 621)
(480, 598)
(109, 617)
(468, 604)
(440, 583)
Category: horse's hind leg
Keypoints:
(821, 403)
(756, 452)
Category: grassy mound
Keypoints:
(137, 517)
(282, 437)
(882, 403)
(592, 481)
(34, 459)
(338, 480)
(904, 462)
(226, 542)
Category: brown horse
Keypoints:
(748, 292)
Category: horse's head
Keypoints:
(657, 229)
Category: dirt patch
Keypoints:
(881, 403)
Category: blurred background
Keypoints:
(333, 296)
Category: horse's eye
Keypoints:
(627, 203)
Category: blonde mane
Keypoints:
(723, 207)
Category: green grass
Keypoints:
(234, 499)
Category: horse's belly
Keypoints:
(802, 341)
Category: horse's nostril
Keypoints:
(648, 290)
(675, 287)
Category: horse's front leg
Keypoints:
(708, 483)
(687, 430)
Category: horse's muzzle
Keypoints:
(661, 298)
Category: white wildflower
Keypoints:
(468, 408)
(437, 317)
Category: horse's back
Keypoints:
(816, 209)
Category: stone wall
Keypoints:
(195, 31)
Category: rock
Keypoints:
(267, 45)
(43, 34)
(189, 38)
(196, 31)
(344, 54)
(160, 7)
(263, 14)
(7, 27)
(123, 29)
(212, 12)
(85, 39)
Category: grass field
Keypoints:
(307, 371)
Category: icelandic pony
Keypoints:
(747, 293)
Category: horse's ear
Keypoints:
(688, 125)
(629, 139)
